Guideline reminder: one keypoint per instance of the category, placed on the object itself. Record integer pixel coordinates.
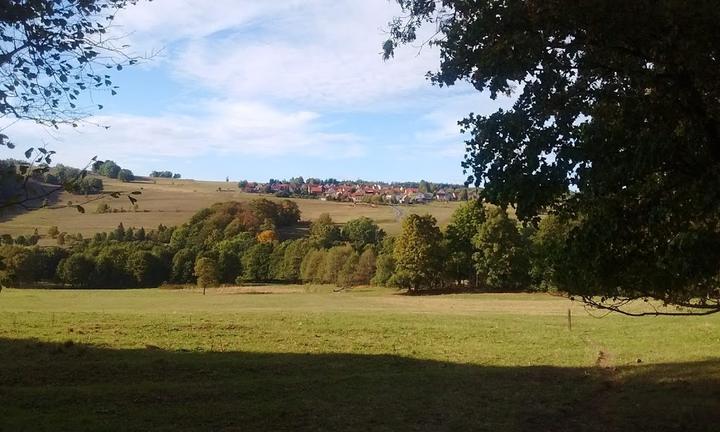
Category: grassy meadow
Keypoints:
(173, 202)
(306, 358)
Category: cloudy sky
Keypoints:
(254, 89)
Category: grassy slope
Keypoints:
(173, 202)
(364, 360)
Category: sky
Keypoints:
(257, 89)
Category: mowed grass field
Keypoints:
(306, 358)
(173, 202)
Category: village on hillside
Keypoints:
(369, 192)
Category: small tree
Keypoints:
(501, 260)
(102, 208)
(464, 225)
(256, 263)
(145, 268)
(313, 266)
(336, 259)
(125, 175)
(182, 266)
(362, 232)
(323, 232)
(120, 232)
(365, 270)
(267, 236)
(347, 275)
(140, 234)
(294, 254)
(385, 263)
(76, 270)
(109, 169)
(418, 253)
(206, 273)
(288, 213)
(53, 232)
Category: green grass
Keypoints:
(173, 202)
(310, 359)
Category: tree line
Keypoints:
(482, 248)
(165, 174)
(112, 170)
(73, 180)
(12, 179)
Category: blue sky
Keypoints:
(258, 89)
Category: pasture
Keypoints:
(173, 202)
(293, 358)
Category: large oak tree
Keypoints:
(615, 124)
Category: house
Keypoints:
(280, 187)
(313, 189)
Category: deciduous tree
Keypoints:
(206, 273)
(418, 253)
(362, 232)
(615, 124)
(323, 232)
(501, 257)
(464, 225)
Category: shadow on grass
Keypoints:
(36, 198)
(455, 289)
(54, 387)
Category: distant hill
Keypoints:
(173, 201)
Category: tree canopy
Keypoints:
(615, 125)
(53, 56)
(418, 253)
(51, 52)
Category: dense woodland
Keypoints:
(263, 241)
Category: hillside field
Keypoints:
(173, 202)
(288, 358)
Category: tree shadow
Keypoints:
(38, 196)
(456, 289)
(53, 387)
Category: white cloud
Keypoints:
(152, 24)
(267, 73)
(220, 127)
(318, 53)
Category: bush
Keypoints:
(125, 175)
(53, 232)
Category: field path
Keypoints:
(399, 213)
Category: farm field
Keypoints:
(173, 202)
(307, 358)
